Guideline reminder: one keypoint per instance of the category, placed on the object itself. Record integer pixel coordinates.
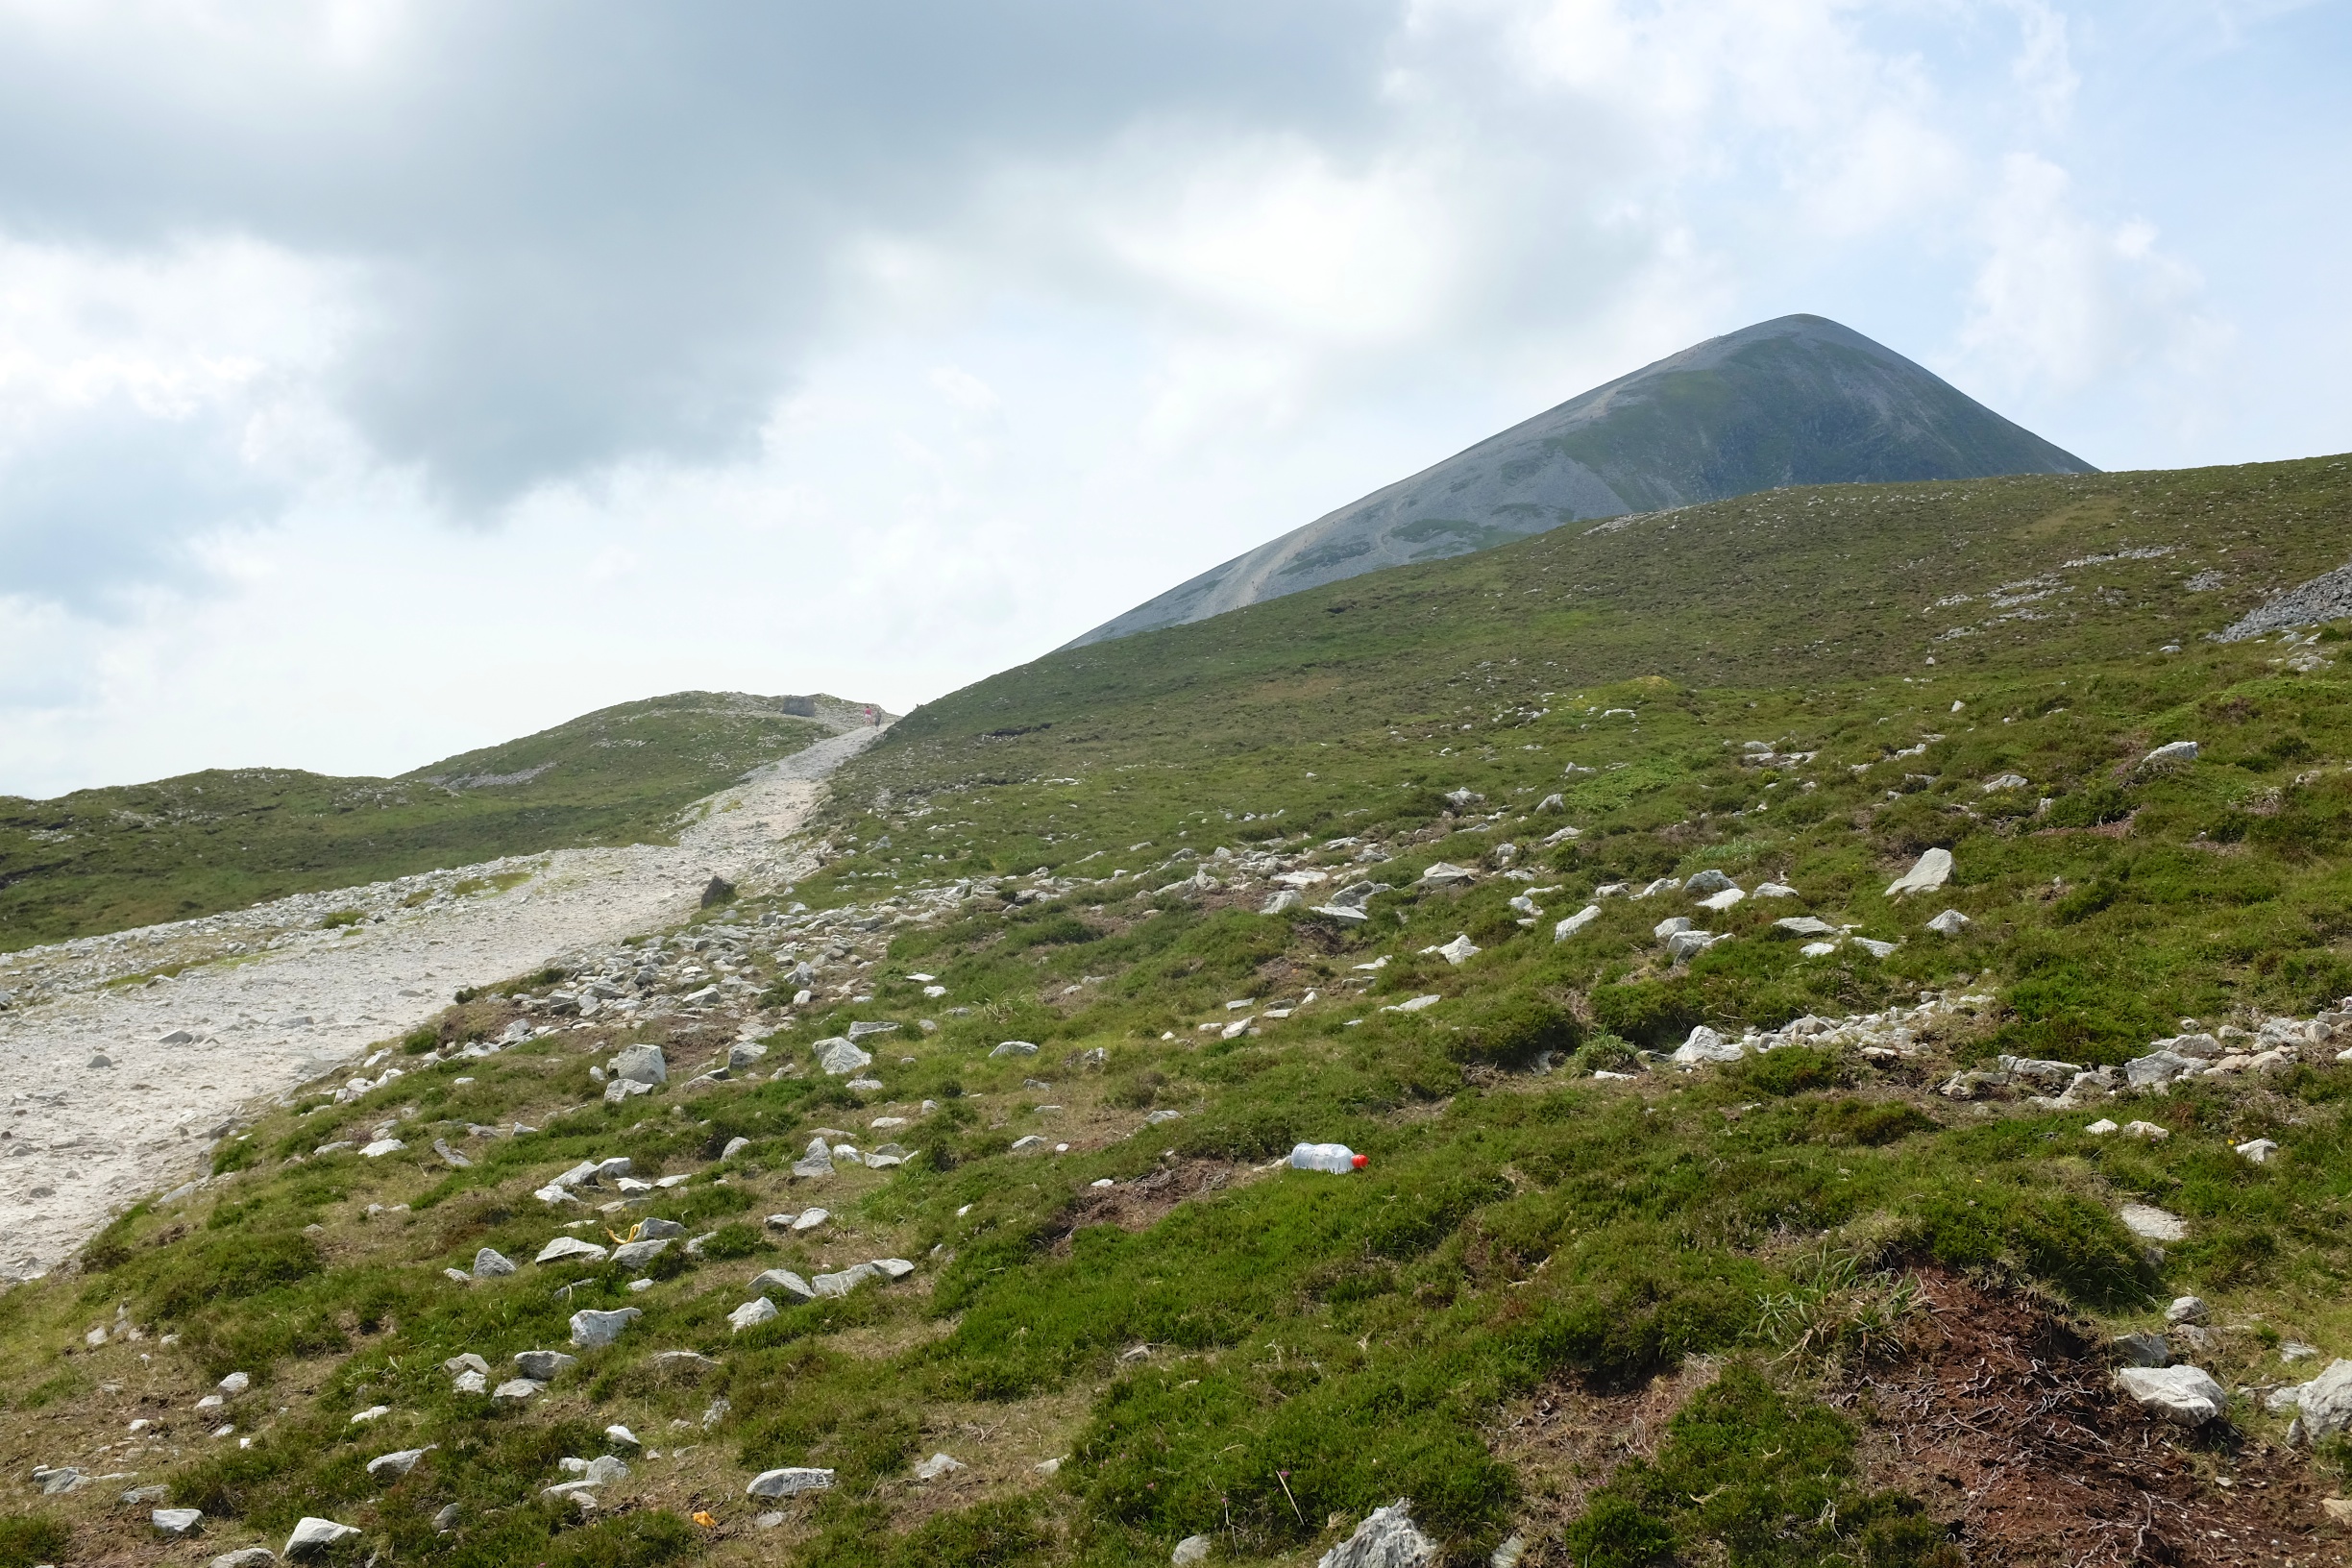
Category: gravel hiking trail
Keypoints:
(117, 1081)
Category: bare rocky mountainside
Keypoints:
(1796, 401)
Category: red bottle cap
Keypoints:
(1362, 1160)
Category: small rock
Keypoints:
(176, 1522)
(790, 1482)
(2152, 1224)
(838, 1058)
(2147, 1130)
(1931, 870)
(461, 1364)
(236, 1382)
(1388, 1538)
(250, 1557)
(845, 1281)
(398, 1462)
(2186, 1310)
(751, 1314)
(936, 1466)
(621, 1435)
(2170, 755)
(1015, 1048)
(313, 1534)
(2005, 782)
(490, 1263)
(787, 1281)
(2185, 1394)
(470, 1382)
(374, 1413)
(1950, 923)
(638, 1254)
(592, 1328)
(544, 1364)
(568, 1246)
(2260, 1150)
(1192, 1549)
(1576, 922)
(734, 1147)
(381, 1147)
(513, 1388)
(2143, 1349)
(1685, 946)
(2101, 1128)
(1876, 949)
(1806, 925)
(1707, 881)
(1704, 1044)
(641, 1065)
(1444, 874)
(2327, 1401)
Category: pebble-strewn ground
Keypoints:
(267, 997)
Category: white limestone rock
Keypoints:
(2185, 1394)
(1931, 870)
(789, 1482)
(1388, 1538)
(1704, 1045)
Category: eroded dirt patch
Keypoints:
(2003, 1420)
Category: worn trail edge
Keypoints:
(118, 1080)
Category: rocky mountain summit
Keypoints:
(1798, 399)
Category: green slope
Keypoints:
(104, 860)
(1832, 1303)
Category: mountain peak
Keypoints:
(1796, 400)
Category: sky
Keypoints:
(383, 380)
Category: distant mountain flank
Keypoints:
(1800, 399)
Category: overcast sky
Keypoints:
(379, 380)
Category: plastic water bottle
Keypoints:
(1334, 1159)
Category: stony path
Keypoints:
(115, 1083)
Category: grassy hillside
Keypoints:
(104, 860)
(1850, 1298)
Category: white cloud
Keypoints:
(784, 349)
(2062, 301)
